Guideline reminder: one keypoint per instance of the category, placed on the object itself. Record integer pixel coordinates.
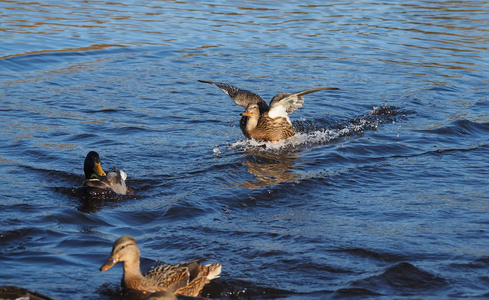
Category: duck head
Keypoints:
(251, 115)
(125, 249)
(252, 110)
(92, 166)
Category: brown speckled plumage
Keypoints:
(262, 127)
(186, 278)
(266, 122)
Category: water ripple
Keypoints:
(370, 199)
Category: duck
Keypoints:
(262, 121)
(186, 279)
(97, 180)
(17, 292)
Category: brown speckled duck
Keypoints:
(97, 179)
(266, 122)
(186, 278)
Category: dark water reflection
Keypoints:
(269, 169)
(383, 193)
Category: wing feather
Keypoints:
(239, 96)
(290, 102)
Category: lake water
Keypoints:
(384, 192)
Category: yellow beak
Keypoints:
(98, 169)
(246, 114)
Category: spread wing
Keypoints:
(289, 102)
(239, 96)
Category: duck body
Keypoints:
(186, 278)
(265, 122)
(263, 127)
(100, 182)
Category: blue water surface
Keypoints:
(382, 194)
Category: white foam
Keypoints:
(216, 151)
(301, 139)
(320, 136)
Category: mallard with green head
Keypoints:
(266, 122)
(95, 177)
(186, 278)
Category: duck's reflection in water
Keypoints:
(90, 200)
(269, 168)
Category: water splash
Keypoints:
(318, 132)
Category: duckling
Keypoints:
(266, 122)
(96, 178)
(185, 279)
